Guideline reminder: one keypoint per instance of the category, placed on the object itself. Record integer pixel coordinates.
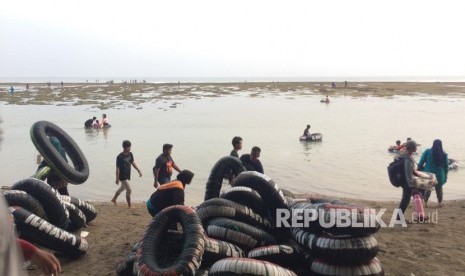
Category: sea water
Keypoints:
(350, 161)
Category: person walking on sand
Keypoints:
(434, 160)
(164, 165)
(169, 194)
(124, 161)
(410, 168)
(251, 161)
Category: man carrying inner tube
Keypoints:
(169, 194)
(53, 179)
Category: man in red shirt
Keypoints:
(164, 165)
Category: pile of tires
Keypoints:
(244, 216)
(44, 217)
(241, 232)
(347, 249)
(164, 250)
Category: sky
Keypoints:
(211, 39)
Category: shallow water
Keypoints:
(350, 161)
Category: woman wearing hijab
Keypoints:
(435, 161)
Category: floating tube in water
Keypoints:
(311, 137)
(338, 250)
(283, 255)
(87, 208)
(245, 196)
(244, 266)
(40, 131)
(215, 180)
(26, 201)
(219, 207)
(323, 268)
(188, 261)
(56, 213)
(216, 250)
(36, 230)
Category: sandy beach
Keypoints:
(419, 249)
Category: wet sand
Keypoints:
(419, 249)
(134, 95)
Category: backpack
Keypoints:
(396, 172)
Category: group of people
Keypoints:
(433, 160)
(399, 147)
(95, 123)
(325, 100)
(170, 192)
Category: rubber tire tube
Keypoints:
(125, 266)
(26, 201)
(55, 211)
(215, 180)
(216, 250)
(262, 237)
(219, 207)
(338, 250)
(244, 241)
(189, 259)
(244, 266)
(39, 135)
(88, 209)
(328, 210)
(372, 268)
(76, 217)
(245, 196)
(36, 230)
(291, 257)
(273, 197)
(287, 193)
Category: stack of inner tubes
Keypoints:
(44, 217)
(343, 249)
(219, 170)
(164, 250)
(237, 233)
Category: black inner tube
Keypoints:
(40, 132)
